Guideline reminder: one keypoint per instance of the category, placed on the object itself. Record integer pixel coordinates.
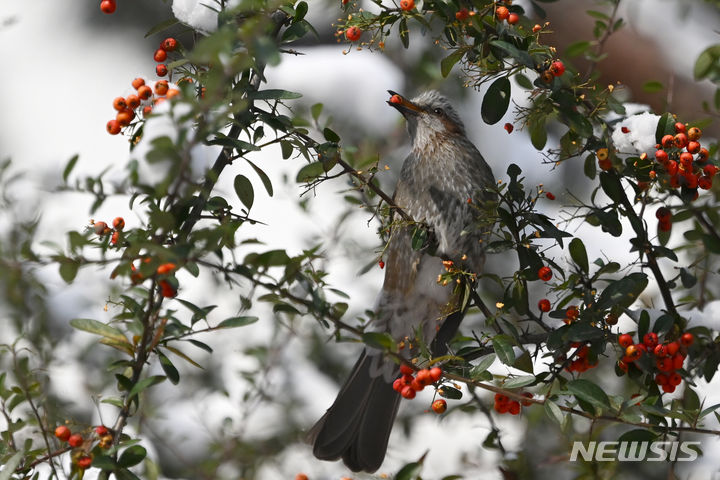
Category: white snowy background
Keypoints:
(59, 78)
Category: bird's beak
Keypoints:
(402, 104)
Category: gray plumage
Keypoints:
(441, 173)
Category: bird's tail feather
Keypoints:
(357, 426)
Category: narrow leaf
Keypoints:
(98, 328)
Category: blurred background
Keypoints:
(243, 414)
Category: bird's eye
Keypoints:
(439, 111)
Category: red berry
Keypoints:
(166, 289)
(502, 13)
(660, 351)
(406, 370)
(664, 364)
(633, 352)
(407, 5)
(160, 55)
(625, 340)
(650, 340)
(705, 183)
(353, 34)
(672, 167)
(398, 384)
(686, 159)
(668, 388)
(557, 67)
(625, 130)
(169, 44)
(381, 264)
(119, 104)
(694, 133)
(527, 403)
(119, 223)
(133, 101)
(161, 70)
(680, 140)
(113, 127)
(545, 274)
(677, 361)
(680, 127)
(605, 164)
(544, 305)
(512, 19)
(550, 196)
(108, 6)
(75, 440)
(710, 170)
(101, 430)
(462, 14)
(502, 407)
(396, 99)
(161, 87)
(661, 156)
(687, 339)
(509, 127)
(693, 147)
(661, 379)
(417, 385)
(408, 392)
(500, 398)
(301, 476)
(675, 379)
(672, 348)
(663, 213)
(439, 406)
(85, 461)
(435, 374)
(62, 433)
(101, 228)
(622, 365)
(115, 237)
(514, 407)
(423, 377)
(667, 141)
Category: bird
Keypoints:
(441, 185)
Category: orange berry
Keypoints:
(125, 117)
(173, 92)
(435, 374)
(407, 5)
(108, 6)
(115, 237)
(694, 133)
(113, 127)
(536, 28)
(101, 228)
(462, 14)
(680, 128)
(166, 289)
(133, 101)
(166, 268)
(693, 146)
(119, 104)
(147, 110)
(119, 223)
(512, 19)
(161, 87)
(439, 406)
(680, 140)
(62, 433)
(667, 141)
(160, 56)
(301, 476)
(138, 82)
(144, 92)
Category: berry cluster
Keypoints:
(503, 403)
(161, 54)
(142, 101)
(82, 458)
(101, 229)
(668, 356)
(682, 160)
(408, 384)
(581, 362)
(167, 282)
(502, 13)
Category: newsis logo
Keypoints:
(634, 451)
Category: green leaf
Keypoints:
(273, 94)
(663, 325)
(450, 392)
(419, 238)
(316, 110)
(164, 25)
(589, 392)
(69, 167)
(621, 293)
(554, 412)
(579, 254)
(638, 435)
(482, 366)
(688, 279)
(590, 168)
(379, 340)
(145, 383)
(410, 471)
(404, 33)
(538, 134)
(310, 172)
(653, 86)
(240, 145)
(330, 135)
(132, 456)
(447, 63)
(577, 48)
(263, 178)
(520, 381)
(611, 186)
(68, 270)
(169, 368)
(301, 10)
(503, 345)
(643, 324)
(496, 101)
(244, 190)
(705, 62)
(235, 322)
(98, 328)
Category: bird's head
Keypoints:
(428, 115)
